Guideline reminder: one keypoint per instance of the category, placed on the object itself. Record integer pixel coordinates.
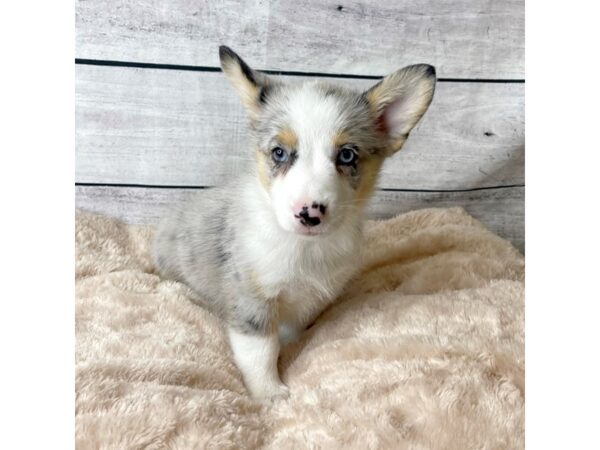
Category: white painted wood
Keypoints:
(462, 38)
(501, 210)
(169, 127)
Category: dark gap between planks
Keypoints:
(151, 186)
(101, 62)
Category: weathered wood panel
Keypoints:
(462, 38)
(169, 127)
(501, 210)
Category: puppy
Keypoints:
(270, 251)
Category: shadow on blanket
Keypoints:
(424, 350)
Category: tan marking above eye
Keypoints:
(288, 138)
(340, 139)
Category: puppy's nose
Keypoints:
(309, 214)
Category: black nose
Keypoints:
(307, 220)
(322, 208)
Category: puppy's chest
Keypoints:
(306, 279)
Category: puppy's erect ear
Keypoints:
(251, 86)
(400, 100)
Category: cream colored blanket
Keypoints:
(424, 350)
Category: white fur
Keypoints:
(256, 357)
(315, 120)
(304, 273)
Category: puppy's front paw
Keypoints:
(279, 392)
(266, 392)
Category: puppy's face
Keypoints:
(319, 148)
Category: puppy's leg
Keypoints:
(256, 356)
(255, 344)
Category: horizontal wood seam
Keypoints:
(150, 186)
(140, 65)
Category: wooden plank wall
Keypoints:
(156, 120)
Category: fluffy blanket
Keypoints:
(425, 350)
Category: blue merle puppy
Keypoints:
(269, 252)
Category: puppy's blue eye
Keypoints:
(279, 155)
(346, 157)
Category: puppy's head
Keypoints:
(319, 148)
